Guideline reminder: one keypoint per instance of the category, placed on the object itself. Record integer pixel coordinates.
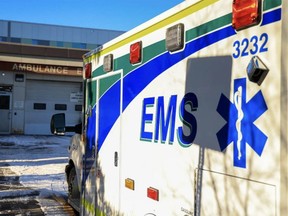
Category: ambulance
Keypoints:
(186, 115)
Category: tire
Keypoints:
(73, 189)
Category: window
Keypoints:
(60, 44)
(4, 39)
(4, 102)
(19, 77)
(40, 42)
(79, 45)
(78, 107)
(60, 107)
(15, 40)
(39, 106)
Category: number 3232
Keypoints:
(251, 46)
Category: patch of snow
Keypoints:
(40, 163)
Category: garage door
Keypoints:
(45, 98)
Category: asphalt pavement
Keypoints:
(32, 178)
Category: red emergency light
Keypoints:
(88, 71)
(246, 13)
(136, 52)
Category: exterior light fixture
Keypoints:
(108, 63)
(257, 70)
(246, 13)
(175, 37)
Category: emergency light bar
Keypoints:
(246, 13)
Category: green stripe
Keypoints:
(159, 47)
(98, 72)
(107, 82)
(208, 27)
(269, 4)
(91, 99)
(149, 53)
(122, 62)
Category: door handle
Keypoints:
(116, 159)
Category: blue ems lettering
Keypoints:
(147, 118)
(158, 121)
(162, 123)
(188, 120)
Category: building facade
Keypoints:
(41, 73)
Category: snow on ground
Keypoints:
(38, 175)
(39, 161)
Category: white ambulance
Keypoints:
(186, 115)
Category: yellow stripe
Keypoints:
(173, 18)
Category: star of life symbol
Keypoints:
(240, 128)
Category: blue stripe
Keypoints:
(90, 134)
(109, 111)
(137, 80)
(272, 16)
(141, 77)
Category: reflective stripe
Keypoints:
(173, 18)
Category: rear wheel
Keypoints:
(73, 189)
